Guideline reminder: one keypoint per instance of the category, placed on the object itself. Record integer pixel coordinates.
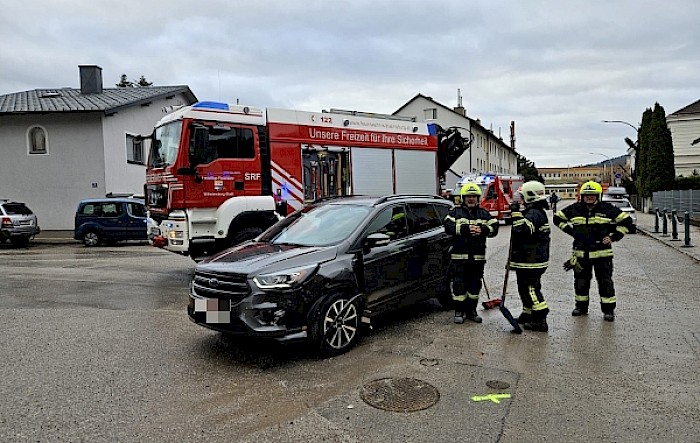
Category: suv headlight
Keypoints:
(285, 279)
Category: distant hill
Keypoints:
(617, 161)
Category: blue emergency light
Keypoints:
(212, 105)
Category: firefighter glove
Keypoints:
(573, 263)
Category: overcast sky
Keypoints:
(556, 67)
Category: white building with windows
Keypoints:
(684, 125)
(59, 146)
(488, 152)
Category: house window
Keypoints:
(134, 150)
(37, 141)
(430, 114)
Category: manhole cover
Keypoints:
(400, 394)
(497, 384)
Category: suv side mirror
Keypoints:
(376, 239)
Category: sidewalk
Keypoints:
(54, 238)
(646, 226)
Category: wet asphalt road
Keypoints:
(96, 346)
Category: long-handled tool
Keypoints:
(491, 302)
(502, 306)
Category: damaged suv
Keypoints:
(322, 271)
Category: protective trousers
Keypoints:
(466, 283)
(603, 268)
(530, 291)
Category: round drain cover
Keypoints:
(497, 384)
(399, 394)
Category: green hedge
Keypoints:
(691, 182)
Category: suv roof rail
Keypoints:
(397, 196)
(335, 197)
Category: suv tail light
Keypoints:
(6, 222)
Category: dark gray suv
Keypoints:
(322, 271)
(17, 223)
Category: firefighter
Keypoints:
(530, 253)
(469, 225)
(594, 225)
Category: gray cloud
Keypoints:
(556, 68)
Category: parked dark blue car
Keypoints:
(110, 220)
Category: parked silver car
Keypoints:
(17, 223)
(624, 204)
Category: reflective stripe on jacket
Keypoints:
(531, 239)
(588, 228)
(464, 245)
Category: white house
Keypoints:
(59, 146)
(685, 129)
(488, 152)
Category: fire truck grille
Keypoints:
(156, 196)
(223, 286)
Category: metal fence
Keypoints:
(680, 201)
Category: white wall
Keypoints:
(122, 177)
(685, 129)
(86, 159)
(52, 184)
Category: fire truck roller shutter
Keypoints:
(372, 171)
(415, 172)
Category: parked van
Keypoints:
(110, 220)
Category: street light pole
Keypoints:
(636, 129)
(609, 178)
(633, 146)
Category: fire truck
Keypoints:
(497, 192)
(219, 174)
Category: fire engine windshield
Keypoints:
(166, 140)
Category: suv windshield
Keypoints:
(318, 225)
(166, 140)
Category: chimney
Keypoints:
(459, 109)
(90, 79)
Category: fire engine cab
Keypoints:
(219, 174)
(497, 192)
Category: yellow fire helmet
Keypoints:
(591, 188)
(470, 189)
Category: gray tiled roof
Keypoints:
(693, 108)
(72, 100)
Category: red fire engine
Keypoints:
(498, 192)
(219, 174)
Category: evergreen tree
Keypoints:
(655, 160)
(527, 169)
(641, 159)
(664, 162)
(124, 82)
(143, 82)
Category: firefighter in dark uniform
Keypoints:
(469, 225)
(530, 254)
(594, 225)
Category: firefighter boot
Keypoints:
(525, 317)
(580, 309)
(608, 314)
(471, 312)
(537, 322)
(459, 317)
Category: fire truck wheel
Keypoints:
(244, 234)
(91, 238)
(335, 327)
